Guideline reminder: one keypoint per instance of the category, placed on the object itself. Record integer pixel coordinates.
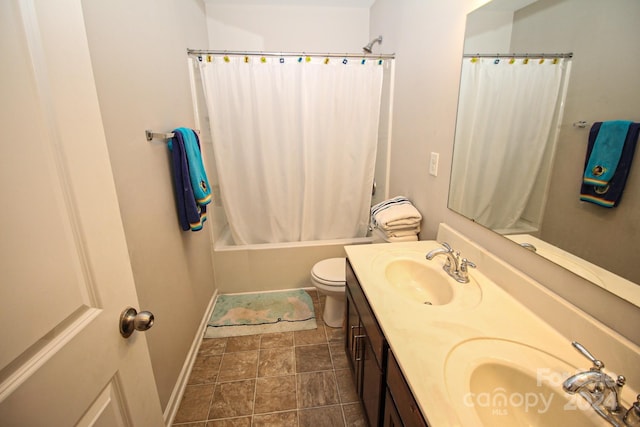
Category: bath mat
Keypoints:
(260, 313)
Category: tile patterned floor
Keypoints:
(288, 379)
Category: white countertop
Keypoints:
(423, 337)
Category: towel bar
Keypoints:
(151, 135)
(581, 124)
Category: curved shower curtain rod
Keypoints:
(315, 54)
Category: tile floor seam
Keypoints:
(216, 381)
(322, 406)
(255, 393)
(295, 378)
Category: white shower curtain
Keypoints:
(505, 120)
(295, 144)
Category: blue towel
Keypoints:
(197, 174)
(606, 152)
(189, 178)
(609, 195)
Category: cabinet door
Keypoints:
(391, 416)
(400, 392)
(372, 383)
(368, 321)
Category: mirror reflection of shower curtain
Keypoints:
(506, 118)
(295, 145)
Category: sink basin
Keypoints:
(424, 282)
(419, 282)
(498, 383)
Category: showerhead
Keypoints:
(367, 48)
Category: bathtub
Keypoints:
(271, 266)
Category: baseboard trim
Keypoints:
(178, 390)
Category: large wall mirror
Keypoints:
(529, 187)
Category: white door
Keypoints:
(65, 275)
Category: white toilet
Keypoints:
(328, 276)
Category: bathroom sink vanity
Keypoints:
(472, 354)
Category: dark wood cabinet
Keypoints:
(366, 348)
(385, 395)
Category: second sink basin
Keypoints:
(419, 282)
(500, 383)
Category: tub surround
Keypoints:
(271, 266)
(423, 337)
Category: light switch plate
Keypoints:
(433, 164)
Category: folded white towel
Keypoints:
(413, 238)
(401, 230)
(393, 213)
(404, 224)
(409, 238)
(401, 233)
(386, 203)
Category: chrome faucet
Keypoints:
(456, 268)
(602, 392)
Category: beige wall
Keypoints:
(427, 37)
(138, 54)
(303, 26)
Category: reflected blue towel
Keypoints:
(606, 152)
(609, 195)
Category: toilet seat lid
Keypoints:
(330, 270)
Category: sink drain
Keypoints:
(427, 303)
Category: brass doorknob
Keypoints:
(131, 320)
